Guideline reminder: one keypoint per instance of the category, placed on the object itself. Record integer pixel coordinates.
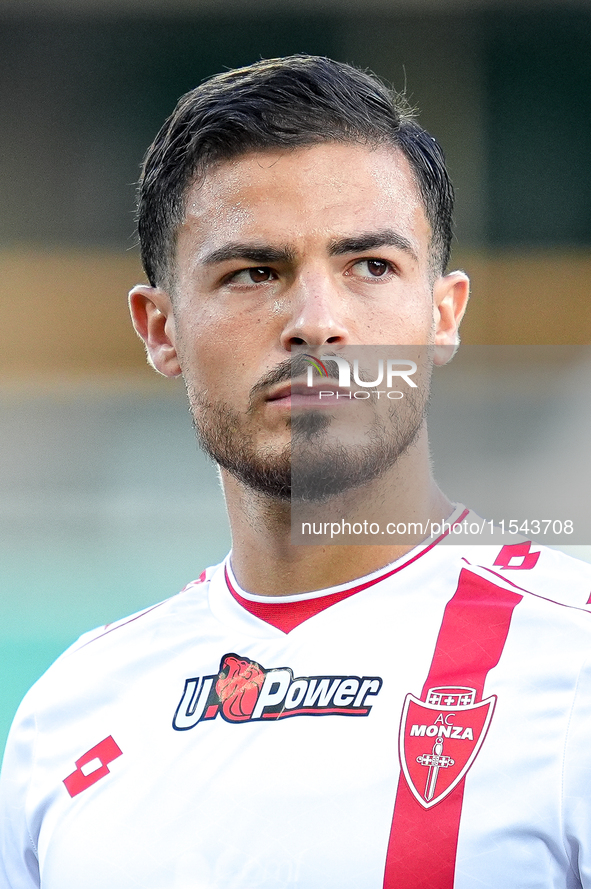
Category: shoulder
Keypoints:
(534, 569)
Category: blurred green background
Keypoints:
(106, 504)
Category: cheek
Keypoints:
(216, 354)
(408, 320)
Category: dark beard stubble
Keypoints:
(312, 468)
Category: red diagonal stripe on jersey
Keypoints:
(423, 842)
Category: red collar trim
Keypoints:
(286, 616)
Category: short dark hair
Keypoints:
(280, 103)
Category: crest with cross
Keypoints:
(451, 696)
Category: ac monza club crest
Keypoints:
(440, 738)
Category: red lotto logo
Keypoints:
(92, 766)
(517, 555)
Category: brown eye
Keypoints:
(260, 275)
(377, 267)
(370, 268)
(251, 275)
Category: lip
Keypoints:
(299, 395)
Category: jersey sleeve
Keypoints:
(19, 867)
(577, 780)
(548, 573)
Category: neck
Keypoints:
(265, 560)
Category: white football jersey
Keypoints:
(425, 727)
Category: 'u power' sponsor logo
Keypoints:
(243, 691)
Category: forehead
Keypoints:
(303, 198)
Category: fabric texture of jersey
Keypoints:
(425, 726)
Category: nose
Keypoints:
(316, 315)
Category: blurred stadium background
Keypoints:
(105, 503)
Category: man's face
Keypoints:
(310, 250)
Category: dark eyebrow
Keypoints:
(249, 252)
(364, 241)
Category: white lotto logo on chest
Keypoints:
(244, 691)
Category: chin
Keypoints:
(318, 464)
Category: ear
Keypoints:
(450, 297)
(153, 319)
